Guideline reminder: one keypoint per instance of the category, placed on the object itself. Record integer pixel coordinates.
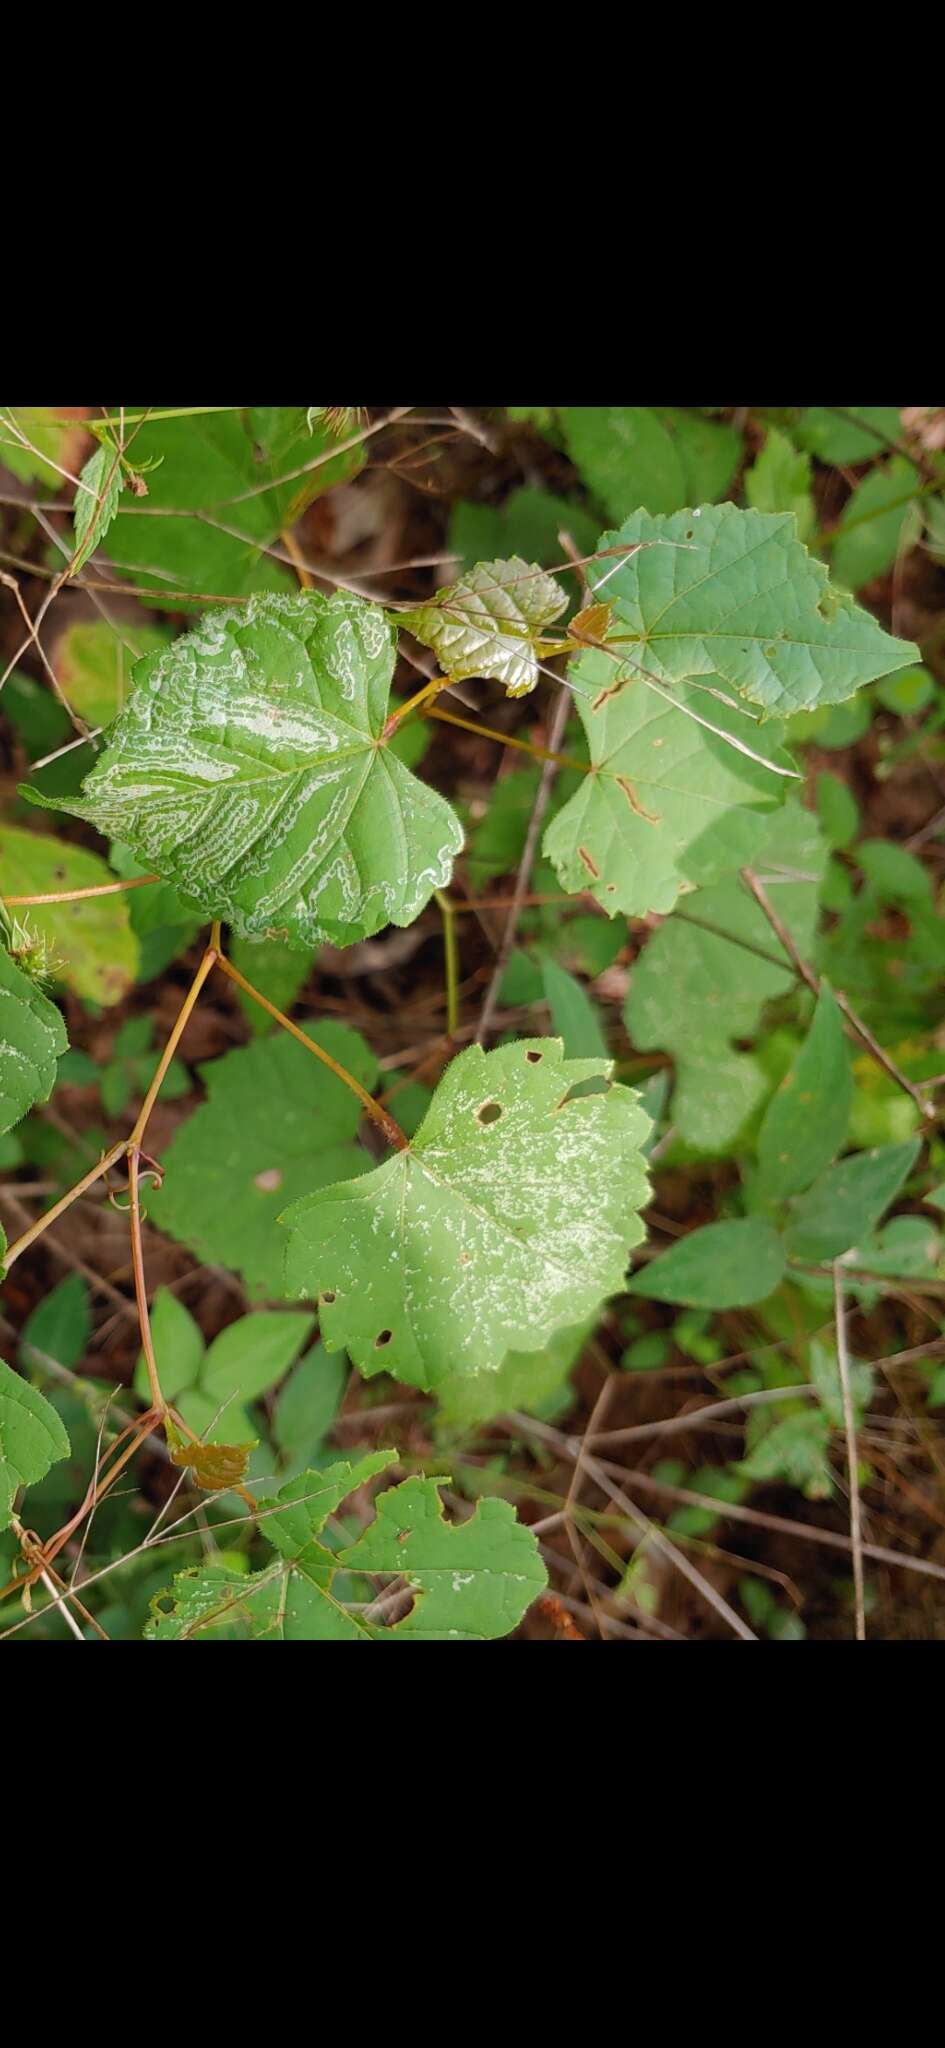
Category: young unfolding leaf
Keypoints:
(510, 1216)
(32, 1039)
(32, 1438)
(489, 622)
(723, 1265)
(737, 598)
(668, 804)
(96, 503)
(806, 1121)
(846, 1203)
(249, 769)
(213, 1466)
(276, 1124)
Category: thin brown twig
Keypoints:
(849, 1424)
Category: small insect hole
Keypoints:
(327, 1299)
(383, 1337)
(534, 1057)
(489, 1113)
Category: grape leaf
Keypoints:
(474, 1579)
(92, 946)
(487, 623)
(95, 503)
(249, 769)
(32, 1039)
(534, 1381)
(698, 985)
(723, 1265)
(276, 1123)
(509, 1216)
(737, 598)
(667, 803)
(32, 1438)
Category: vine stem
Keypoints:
(430, 690)
(22, 1244)
(507, 739)
(392, 1131)
(76, 895)
(209, 961)
(448, 913)
(849, 1424)
(806, 972)
(141, 1290)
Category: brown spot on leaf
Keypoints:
(589, 863)
(634, 801)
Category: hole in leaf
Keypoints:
(690, 530)
(383, 1337)
(328, 1297)
(534, 1057)
(489, 1112)
(595, 1086)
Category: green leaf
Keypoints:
(509, 1217)
(527, 524)
(60, 1326)
(93, 663)
(233, 478)
(531, 1380)
(32, 1039)
(574, 1018)
(250, 1356)
(277, 970)
(249, 769)
(276, 1123)
(474, 1579)
(846, 1203)
(907, 1248)
(92, 946)
(806, 1120)
(308, 1403)
(95, 503)
(496, 842)
(825, 1374)
(668, 804)
(736, 598)
(839, 441)
(487, 624)
(699, 984)
(795, 1450)
(51, 436)
(837, 810)
(660, 457)
(178, 1348)
(905, 694)
(723, 1265)
(32, 1438)
(878, 522)
(779, 481)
